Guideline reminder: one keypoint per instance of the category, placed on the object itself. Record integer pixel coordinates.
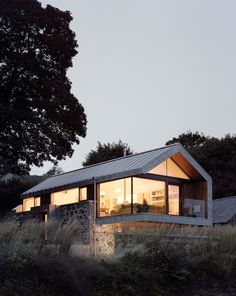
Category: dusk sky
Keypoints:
(149, 70)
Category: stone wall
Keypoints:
(105, 243)
(84, 213)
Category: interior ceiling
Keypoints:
(182, 162)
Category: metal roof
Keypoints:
(224, 209)
(130, 165)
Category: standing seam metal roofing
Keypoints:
(131, 164)
(224, 209)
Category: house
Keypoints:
(224, 210)
(164, 185)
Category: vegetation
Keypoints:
(217, 157)
(40, 119)
(10, 189)
(107, 151)
(202, 262)
(55, 170)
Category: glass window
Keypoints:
(28, 203)
(115, 197)
(37, 201)
(149, 196)
(169, 168)
(83, 193)
(65, 197)
(173, 194)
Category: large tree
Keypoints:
(107, 151)
(40, 118)
(217, 156)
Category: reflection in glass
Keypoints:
(149, 196)
(115, 197)
(173, 193)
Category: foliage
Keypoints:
(10, 190)
(217, 157)
(107, 151)
(189, 139)
(173, 261)
(31, 265)
(55, 170)
(159, 265)
(40, 118)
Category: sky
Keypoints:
(150, 70)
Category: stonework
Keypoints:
(84, 213)
(105, 242)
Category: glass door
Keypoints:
(173, 199)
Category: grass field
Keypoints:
(158, 261)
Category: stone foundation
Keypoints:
(83, 212)
(105, 242)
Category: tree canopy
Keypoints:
(55, 170)
(107, 151)
(189, 139)
(216, 156)
(40, 119)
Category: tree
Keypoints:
(107, 151)
(11, 189)
(40, 118)
(217, 157)
(189, 139)
(55, 170)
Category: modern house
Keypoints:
(224, 210)
(164, 185)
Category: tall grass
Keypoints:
(153, 260)
(34, 260)
(172, 260)
(32, 238)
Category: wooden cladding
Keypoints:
(182, 162)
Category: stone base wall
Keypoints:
(84, 213)
(120, 237)
(105, 242)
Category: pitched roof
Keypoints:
(130, 165)
(224, 209)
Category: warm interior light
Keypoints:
(102, 193)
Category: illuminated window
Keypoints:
(19, 209)
(37, 201)
(115, 197)
(169, 168)
(173, 194)
(83, 193)
(28, 203)
(65, 197)
(149, 196)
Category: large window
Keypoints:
(169, 168)
(149, 196)
(115, 197)
(28, 203)
(65, 197)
